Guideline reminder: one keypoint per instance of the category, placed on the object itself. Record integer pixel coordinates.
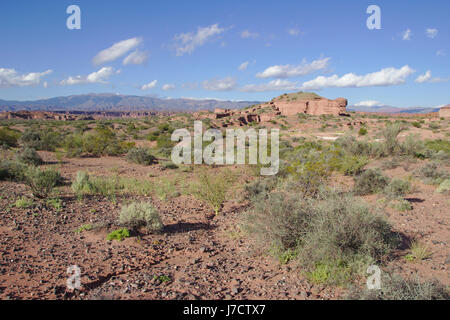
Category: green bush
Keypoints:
(138, 214)
(29, 156)
(82, 184)
(370, 181)
(119, 234)
(140, 156)
(8, 138)
(396, 288)
(362, 131)
(101, 142)
(42, 182)
(12, 170)
(47, 140)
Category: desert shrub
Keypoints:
(413, 146)
(119, 234)
(401, 205)
(312, 168)
(8, 138)
(370, 181)
(418, 252)
(390, 134)
(82, 184)
(31, 138)
(391, 163)
(431, 174)
(259, 188)
(416, 124)
(213, 188)
(102, 142)
(138, 214)
(278, 221)
(353, 165)
(396, 288)
(438, 145)
(140, 156)
(12, 170)
(29, 156)
(397, 188)
(333, 236)
(169, 165)
(353, 146)
(362, 131)
(444, 187)
(42, 182)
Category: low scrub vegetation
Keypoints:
(396, 288)
(334, 236)
(140, 156)
(141, 214)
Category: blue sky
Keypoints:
(237, 50)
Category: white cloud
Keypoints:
(225, 84)
(294, 32)
(243, 66)
(187, 42)
(136, 57)
(247, 34)
(428, 78)
(168, 86)
(274, 85)
(384, 77)
(369, 103)
(116, 51)
(99, 76)
(432, 33)
(287, 71)
(10, 78)
(149, 85)
(406, 35)
(440, 53)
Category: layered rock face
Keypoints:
(317, 106)
(445, 112)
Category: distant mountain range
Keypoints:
(115, 102)
(390, 109)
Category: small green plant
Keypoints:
(23, 203)
(138, 214)
(56, 203)
(119, 234)
(162, 278)
(85, 227)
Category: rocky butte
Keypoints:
(286, 105)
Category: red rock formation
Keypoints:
(317, 106)
(444, 112)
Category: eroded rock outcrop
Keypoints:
(444, 112)
(317, 106)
